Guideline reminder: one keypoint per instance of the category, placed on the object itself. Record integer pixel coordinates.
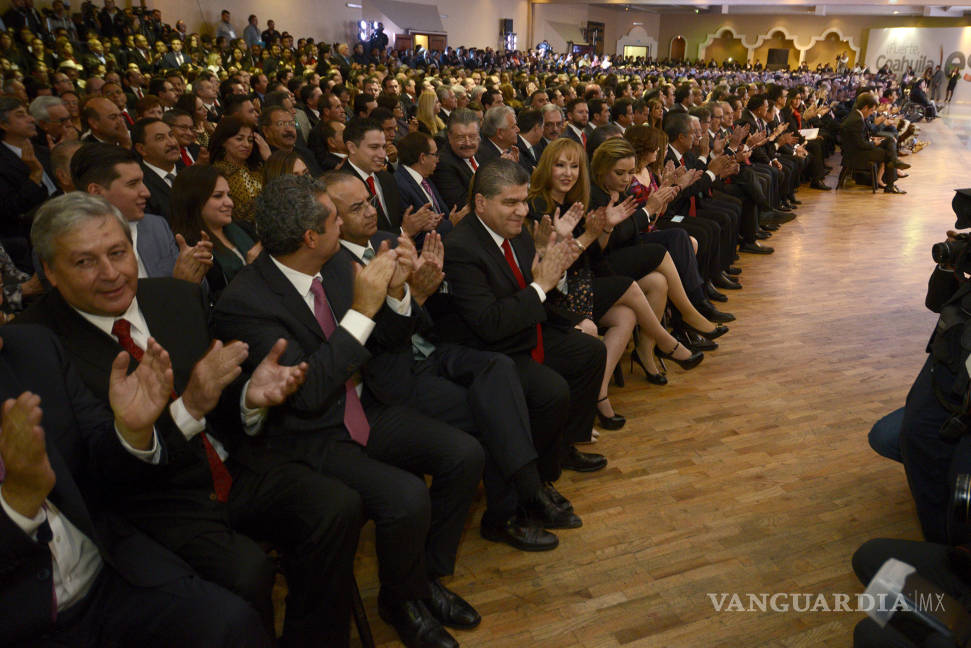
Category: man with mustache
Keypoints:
(458, 163)
(280, 131)
(161, 160)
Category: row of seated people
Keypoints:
(409, 383)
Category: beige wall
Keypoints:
(617, 23)
(722, 49)
(826, 51)
(696, 28)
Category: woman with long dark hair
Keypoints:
(201, 203)
(238, 151)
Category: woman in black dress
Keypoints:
(558, 195)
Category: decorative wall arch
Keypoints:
(724, 46)
(638, 36)
(678, 48)
(787, 41)
(847, 39)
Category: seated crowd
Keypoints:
(263, 289)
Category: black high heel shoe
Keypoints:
(618, 376)
(614, 422)
(654, 379)
(720, 330)
(690, 363)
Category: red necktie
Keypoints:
(583, 136)
(374, 192)
(131, 122)
(537, 351)
(475, 167)
(186, 158)
(355, 420)
(222, 481)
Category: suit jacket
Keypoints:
(390, 221)
(18, 193)
(169, 61)
(681, 203)
(161, 193)
(452, 178)
(569, 134)
(526, 159)
(854, 140)
(259, 307)
(412, 195)
(138, 58)
(156, 246)
(487, 151)
(491, 311)
(90, 465)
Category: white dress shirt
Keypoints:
(162, 172)
(377, 186)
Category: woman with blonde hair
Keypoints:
(629, 255)
(428, 109)
(559, 193)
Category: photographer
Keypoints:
(934, 443)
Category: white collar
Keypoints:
(677, 156)
(575, 130)
(419, 178)
(359, 170)
(161, 172)
(106, 322)
(357, 250)
(498, 240)
(300, 281)
(16, 149)
(501, 150)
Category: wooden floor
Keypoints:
(752, 473)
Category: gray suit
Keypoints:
(156, 246)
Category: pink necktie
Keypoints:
(355, 420)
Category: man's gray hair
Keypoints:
(550, 107)
(40, 107)
(458, 90)
(495, 118)
(60, 215)
(462, 117)
(442, 92)
(497, 174)
(286, 209)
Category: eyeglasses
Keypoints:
(281, 123)
(357, 208)
(465, 138)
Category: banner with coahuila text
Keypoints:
(923, 47)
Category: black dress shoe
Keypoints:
(557, 497)
(520, 533)
(714, 334)
(583, 461)
(755, 248)
(769, 225)
(819, 184)
(708, 310)
(761, 234)
(713, 293)
(781, 217)
(900, 165)
(734, 271)
(793, 201)
(687, 364)
(416, 625)
(545, 512)
(694, 341)
(782, 207)
(653, 378)
(893, 189)
(450, 608)
(725, 282)
(614, 422)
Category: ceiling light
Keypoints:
(352, 5)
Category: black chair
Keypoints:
(846, 170)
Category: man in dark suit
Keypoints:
(161, 161)
(184, 133)
(66, 557)
(105, 122)
(530, 139)
(859, 150)
(366, 158)
(457, 162)
(417, 159)
(326, 142)
(455, 384)
(333, 423)
(175, 58)
(280, 131)
(203, 500)
(498, 302)
(500, 135)
(115, 174)
(23, 182)
(578, 117)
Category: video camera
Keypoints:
(953, 253)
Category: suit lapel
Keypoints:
(89, 345)
(494, 253)
(293, 302)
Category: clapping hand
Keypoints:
(456, 215)
(193, 261)
(371, 282)
(670, 174)
(423, 220)
(565, 224)
(718, 145)
(738, 135)
(211, 375)
(407, 259)
(138, 398)
(659, 199)
(428, 275)
(618, 212)
(272, 383)
(30, 478)
(542, 232)
(560, 255)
